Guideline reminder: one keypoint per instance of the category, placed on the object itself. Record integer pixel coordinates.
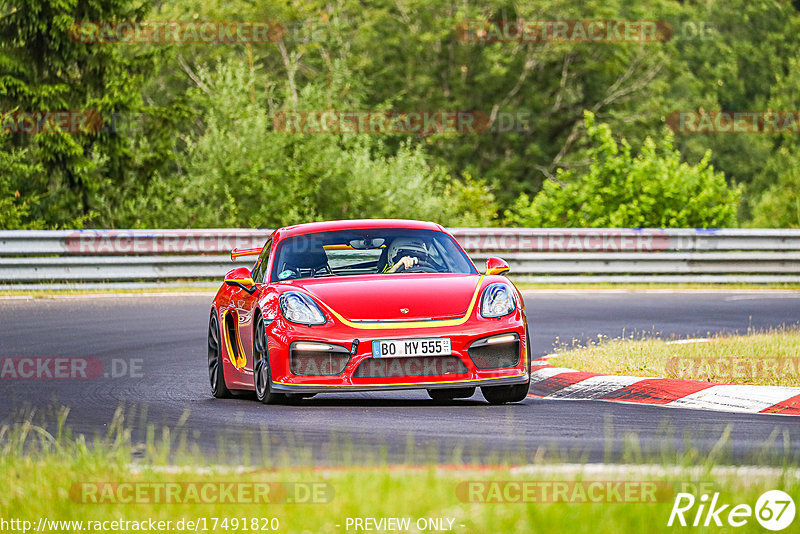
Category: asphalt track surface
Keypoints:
(167, 334)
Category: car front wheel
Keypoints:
(261, 372)
(515, 393)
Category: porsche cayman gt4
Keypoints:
(366, 305)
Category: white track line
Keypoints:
(595, 387)
(744, 472)
(768, 296)
(721, 398)
(548, 372)
(735, 398)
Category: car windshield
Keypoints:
(369, 251)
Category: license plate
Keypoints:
(398, 348)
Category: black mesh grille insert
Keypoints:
(315, 363)
(495, 356)
(416, 366)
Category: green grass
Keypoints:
(46, 475)
(768, 358)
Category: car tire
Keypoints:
(506, 394)
(216, 367)
(515, 393)
(262, 378)
(446, 395)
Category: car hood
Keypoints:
(384, 297)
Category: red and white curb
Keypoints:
(548, 382)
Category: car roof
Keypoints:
(350, 224)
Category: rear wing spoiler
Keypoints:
(239, 252)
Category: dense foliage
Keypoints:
(651, 189)
(578, 137)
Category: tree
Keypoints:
(14, 171)
(776, 203)
(779, 205)
(380, 55)
(239, 170)
(76, 174)
(651, 189)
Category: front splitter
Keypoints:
(281, 387)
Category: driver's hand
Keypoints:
(406, 262)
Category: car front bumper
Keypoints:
(362, 372)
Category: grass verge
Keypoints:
(56, 477)
(770, 358)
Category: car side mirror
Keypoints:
(241, 278)
(496, 266)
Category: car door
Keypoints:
(245, 304)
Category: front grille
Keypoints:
(314, 363)
(486, 356)
(416, 366)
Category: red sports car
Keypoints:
(367, 305)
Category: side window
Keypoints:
(261, 263)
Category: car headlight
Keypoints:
(497, 301)
(299, 308)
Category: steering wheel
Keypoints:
(291, 272)
(422, 266)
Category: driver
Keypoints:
(405, 252)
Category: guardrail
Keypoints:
(536, 255)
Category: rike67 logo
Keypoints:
(774, 510)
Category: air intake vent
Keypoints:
(318, 362)
(488, 355)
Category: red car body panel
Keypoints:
(382, 296)
(362, 308)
